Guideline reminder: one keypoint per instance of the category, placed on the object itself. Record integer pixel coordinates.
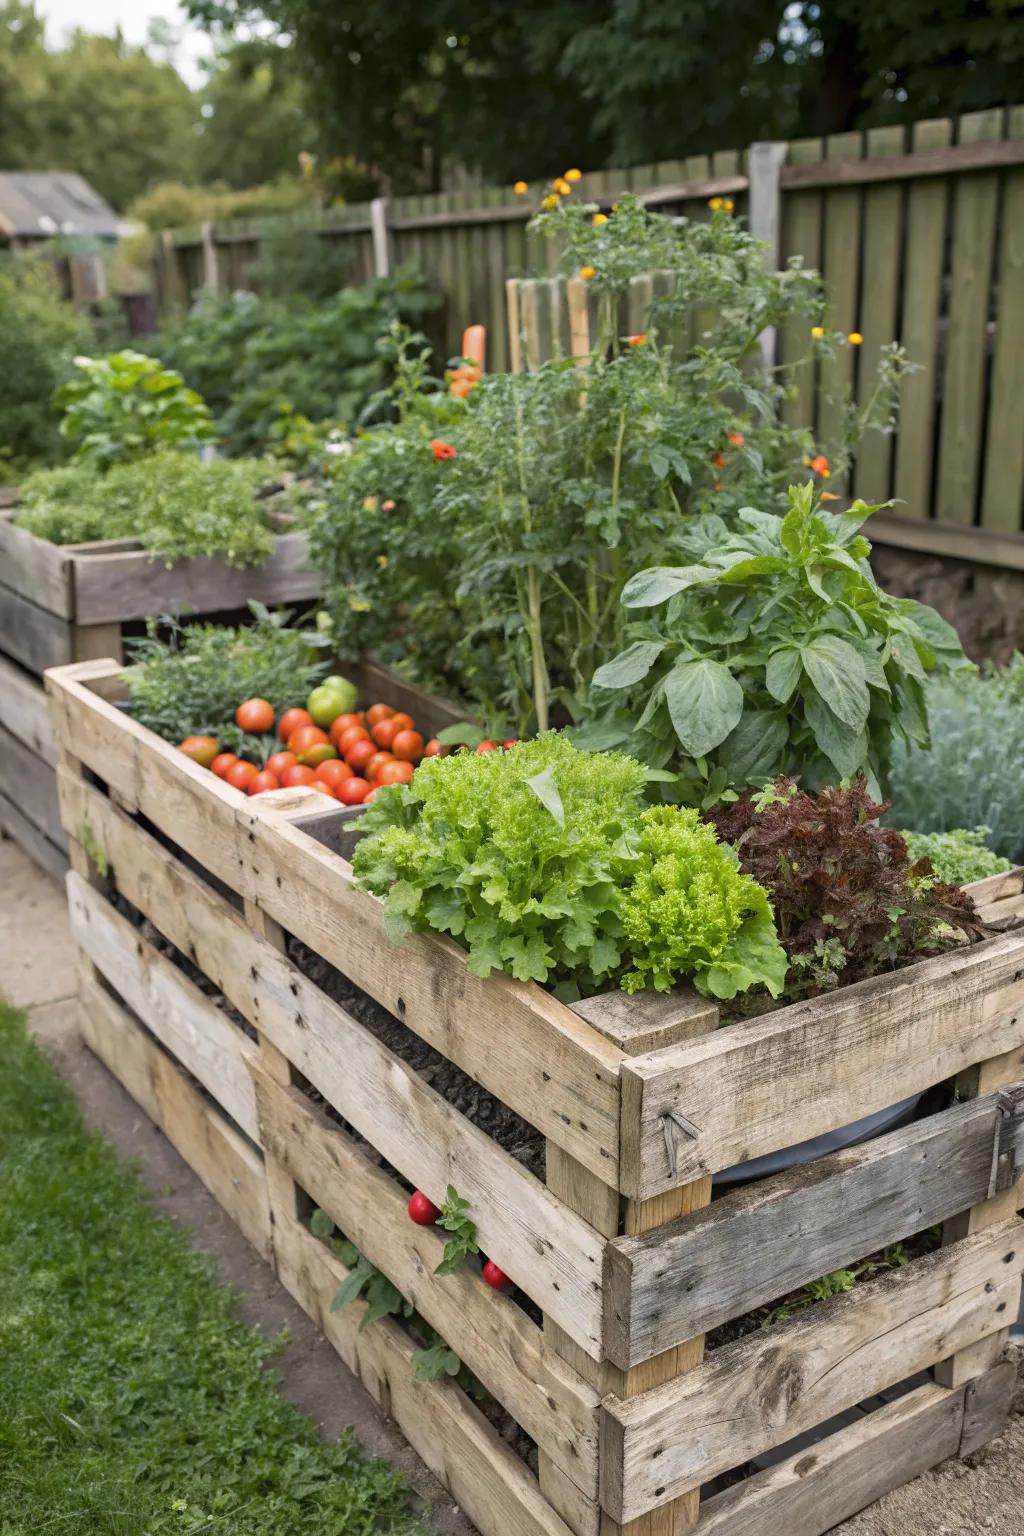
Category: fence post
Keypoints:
(379, 233)
(764, 164)
(210, 273)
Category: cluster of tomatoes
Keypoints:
(360, 751)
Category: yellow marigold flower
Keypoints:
(574, 175)
(817, 331)
(561, 186)
(587, 273)
(599, 219)
(727, 204)
(855, 338)
(551, 201)
(521, 187)
(715, 204)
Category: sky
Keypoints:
(133, 17)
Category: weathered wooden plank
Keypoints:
(495, 1338)
(646, 1021)
(996, 888)
(818, 1065)
(1004, 453)
(484, 1475)
(757, 1393)
(695, 1274)
(983, 545)
(817, 1488)
(30, 784)
(554, 1256)
(36, 568)
(24, 712)
(231, 1170)
(132, 585)
(963, 398)
(841, 257)
(537, 1056)
(965, 156)
(51, 857)
(801, 237)
(987, 1402)
(883, 207)
(34, 636)
(192, 1028)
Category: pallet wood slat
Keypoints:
(30, 784)
(36, 568)
(25, 714)
(752, 1395)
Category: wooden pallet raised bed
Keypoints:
(71, 602)
(289, 1097)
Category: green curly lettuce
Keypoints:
(689, 911)
(959, 856)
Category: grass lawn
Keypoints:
(132, 1400)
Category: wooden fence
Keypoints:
(919, 232)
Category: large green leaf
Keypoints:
(630, 665)
(783, 672)
(846, 749)
(753, 750)
(649, 588)
(705, 702)
(837, 672)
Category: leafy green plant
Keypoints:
(173, 503)
(542, 861)
(971, 772)
(191, 683)
(462, 1243)
(39, 335)
(847, 899)
(837, 1283)
(127, 405)
(957, 857)
(772, 651)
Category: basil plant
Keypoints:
(773, 652)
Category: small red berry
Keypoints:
(496, 1278)
(511, 741)
(421, 1210)
(487, 746)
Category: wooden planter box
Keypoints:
(286, 1098)
(70, 602)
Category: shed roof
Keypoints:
(37, 204)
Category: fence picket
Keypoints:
(883, 212)
(842, 219)
(801, 236)
(1004, 458)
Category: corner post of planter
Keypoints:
(978, 1358)
(764, 177)
(380, 237)
(636, 1025)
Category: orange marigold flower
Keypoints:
(561, 186)
(637, 340)
(855, 338)
(817, 331)
(442, 450)
(737, 439)
(521, 187)
(819, 464)
(718, 485)
(718, 460)
(599, 219)
(387, 506)
(574, 175)
(587, 273)
(828, 496)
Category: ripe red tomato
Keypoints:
(222, 762)
(378, 712)
(487, 746)
(421, 1210)
(359, 754)
(403, 722)
(408, 745)
(384, 733)
(319, 752)
(262, 782)
(241, 774)
(395, 773)
(496, 1278)
(376, 763)
(305, 737)
(321, 788)
(201, 749)
(434, 748)
(255, 716)
(511, 741)
(344, 723)
(332, 773)
(346, 738)
(353, 791)
(277, 762)
(290, 722)
(295, 775)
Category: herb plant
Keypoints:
(542, 861)
(191, 683)
(39, 335)
(462, 1243)
(173, 503)
(772, 650)
(127, 405)
(848, 901)
(971, 773)
(957, 857)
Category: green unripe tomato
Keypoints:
(344, 687)
(326, 703)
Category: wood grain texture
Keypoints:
(647, 1021)
(759, 1392)
(37, 569)
(51, 857)
(32, 635)
(24, 713)
(31, 785)
(1004, 448)
(697, 1273)
(817, 1488)
(814, 1066)
(501, 1345)
(987, 1402)
(231, 1170)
